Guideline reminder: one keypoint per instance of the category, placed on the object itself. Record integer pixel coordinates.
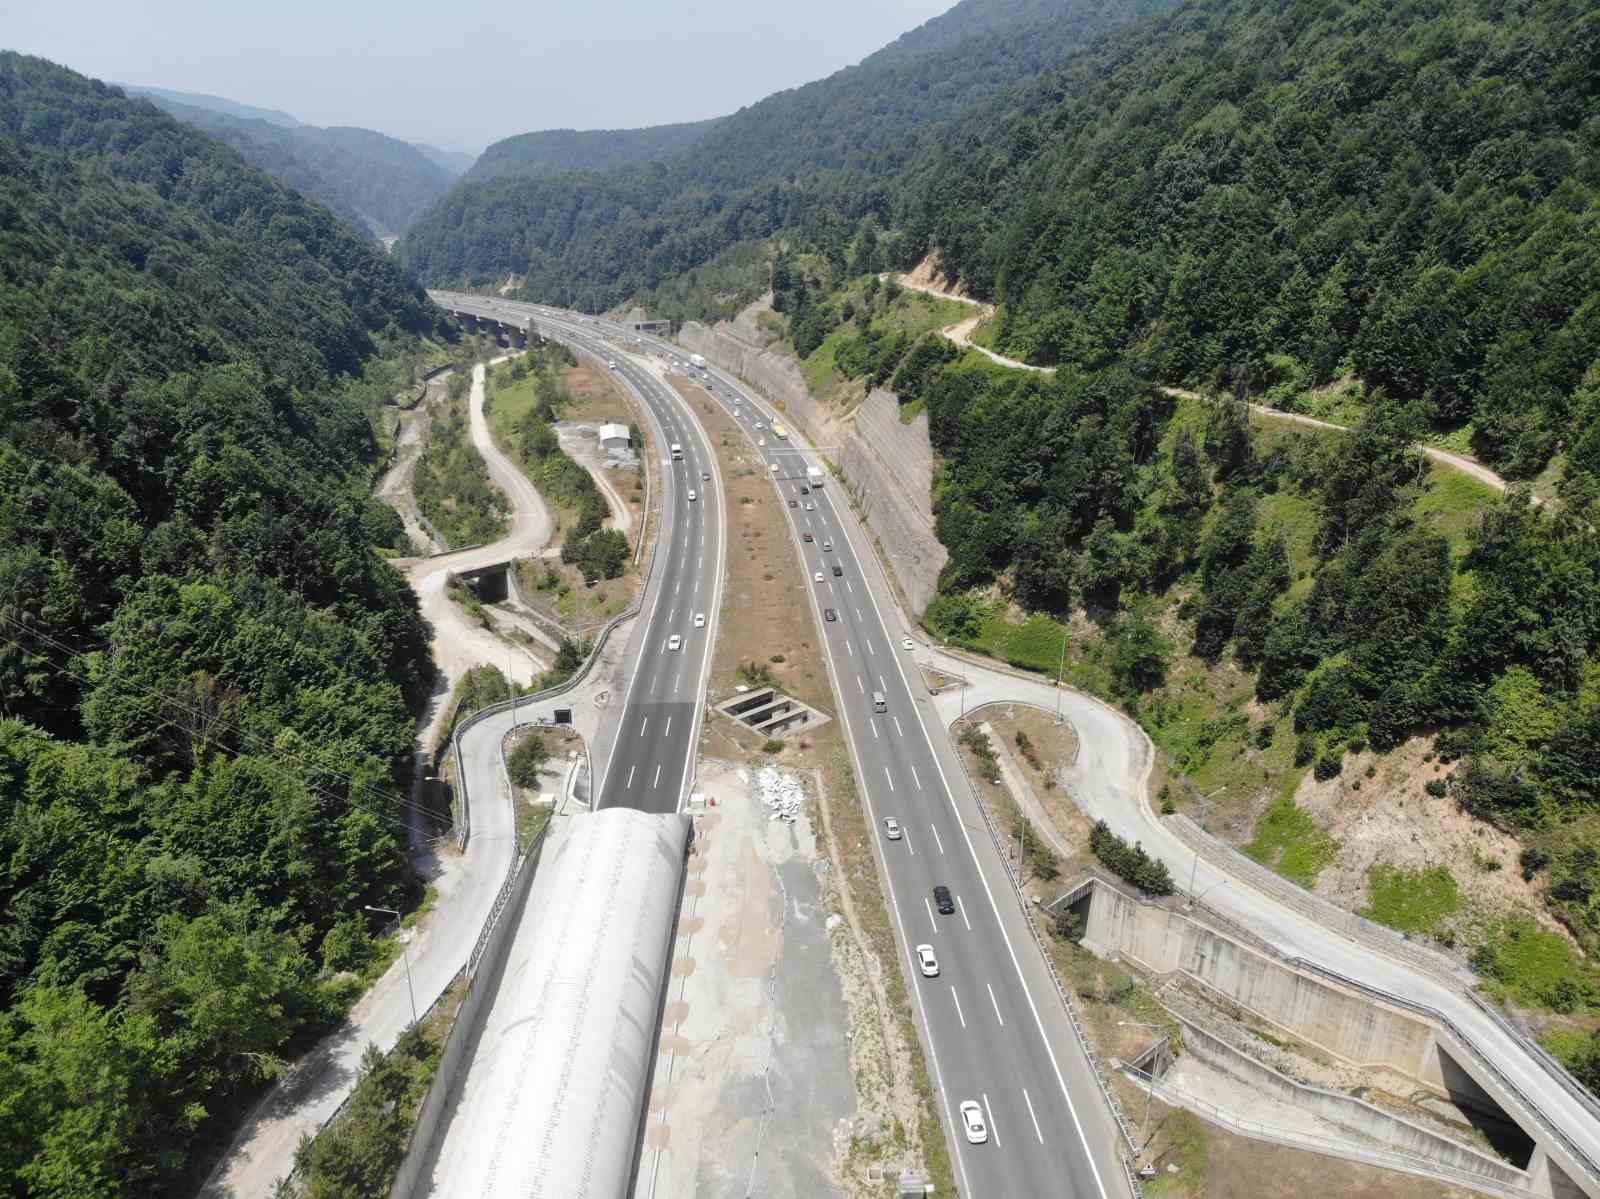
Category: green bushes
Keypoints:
(976, 740)
(526, 760)
(1129, 862)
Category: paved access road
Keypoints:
(652, 758)
(981, 1013)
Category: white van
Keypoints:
(879, 703)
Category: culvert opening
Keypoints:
(1505, 1136)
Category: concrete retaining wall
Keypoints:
(1350, 1026)
(1347, 1111)
(888, 466)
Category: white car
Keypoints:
(810, 507)
(926, 962)
(762, 443)
(693, 495)
(612, 364)
(699, 620)
(817, 577)
(774, 468)
(907, 643)
(674, 643)
(891, 828)
(972, 1122)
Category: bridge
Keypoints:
(510, 329)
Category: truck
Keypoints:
(698, 361)
(814, 475)
(779, 431)
(677, 452)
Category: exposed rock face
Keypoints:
(888, 466)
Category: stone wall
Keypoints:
(887, 465)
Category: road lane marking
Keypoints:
(900, 732)
(931, 920)
(678, 686)
(888, 776)
(993, 1130)
(644, 726)
(957, 998)
(667, 732)
(629, 783)
(849, 647)
(964, 919)
(938, 840)
(873, 724)
(849, 588)
(915, 779)
(906, 837)
(859, 687)
(1031, 1116)
(657, 781)
(1000, 1018)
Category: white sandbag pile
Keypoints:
(781, 794)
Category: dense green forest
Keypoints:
(207, 674)
(561, 151)
(451, 480)
(375, 181)
(817, 158)
(1275, 195)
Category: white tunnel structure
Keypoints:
(554, 1099)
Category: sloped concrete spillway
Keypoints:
(553, 1101)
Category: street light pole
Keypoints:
(1150, 1082)
(404, 954)
(1060, 668)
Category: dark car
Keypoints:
(829, 614)
(942, 901)
(794, 503)
(806, 537)
(804, 489)
(837, 570)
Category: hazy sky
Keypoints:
(463, 73)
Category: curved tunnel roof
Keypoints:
(570, 1042)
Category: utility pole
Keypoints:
(1060, 667)
(404, 953)
(1150, 1082)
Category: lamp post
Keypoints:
(1194, 869)
(1060, 668)
(1150, 1081)
(405, 955)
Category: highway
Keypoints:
(980, 1015)
(652, 758)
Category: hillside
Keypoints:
(377, 182)
(558, 151)
(207, 672)
(215, 104)
(798, 160)
(1279, 196)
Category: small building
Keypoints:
(614, 437)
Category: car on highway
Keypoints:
(827, 546)
(972, 1122)
(829, 614)
(705, 476)
(774, 468)
(943, 901)
(810, 507)
(926, 962)
(838, 571)
(807, 538)
(805, 489)
(891, 828)
(762, 443)
(817, 578)
(907, 643)
(612, 364)
(674, 643)
(693, 495)
(699, 620)
(794, 503)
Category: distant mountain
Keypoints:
(378, 182)
(554, 151)
(616, 233)
(216, 104)
(452, 162)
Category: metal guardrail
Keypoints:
(1391, 1159)
(1062, 991)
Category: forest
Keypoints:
(817, 157)
(376, 182)
(208, 675)
(562, 151)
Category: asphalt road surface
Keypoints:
(652, 758)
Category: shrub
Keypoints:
(525, 761)
(1129, 862)
(1328, 766)
(1438, 788)
(772, 746)
(1069, 926)
(1305, 748)
(1265, 734)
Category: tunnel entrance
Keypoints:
(1479, 1109)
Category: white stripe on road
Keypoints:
(874, 726)
(937, 839)
(644, 726)
(957, 998)
(931, 920)
(964, 919)
(994, 1131)
(631, 769)
(667, 732)
(1032, 1117)
(859, 687)
(899, 731)
(996, 1003)
(888, 776)
(915, 779)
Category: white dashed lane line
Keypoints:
(937, 840)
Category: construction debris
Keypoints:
(781, 793)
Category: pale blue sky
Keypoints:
(463, 73)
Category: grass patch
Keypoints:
(1535, 966)
(1292, 843)
(1413, 901)
(1453, 504)
(1182, 1138)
